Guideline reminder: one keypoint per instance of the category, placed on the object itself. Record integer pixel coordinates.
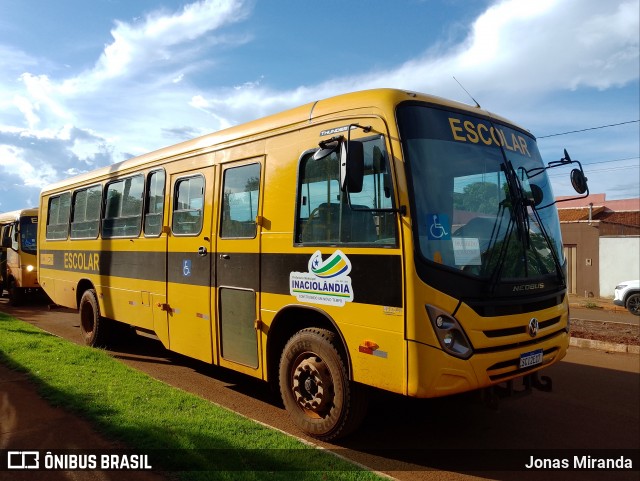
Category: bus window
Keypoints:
(28, 234)
(188, 205)
(86, 213)
(324, 215)
(154, 204)
(58, 219)
(240, 201)
(123, 208)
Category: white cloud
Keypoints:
(137, 47)
(56, 126)
(28, 109)
(138, 95)
(514, 47)
(13, 157)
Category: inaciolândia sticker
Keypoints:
(327, 282)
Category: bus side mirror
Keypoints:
(579, 181)
(351, 166)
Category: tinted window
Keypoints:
(58, 219)
(240, 201)
(187, 205)
(29, 234)
(86, 213)
(324, 215)
(123, 208)
(154, 204)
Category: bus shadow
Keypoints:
(140, 349)
(592, 411)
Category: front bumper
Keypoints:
(481, 370)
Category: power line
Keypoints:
(588, 172)
(612, 160)
(590, 128)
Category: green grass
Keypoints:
(148, 415)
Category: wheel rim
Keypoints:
(634, 304)
(312, 385)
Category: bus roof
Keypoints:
(305, 114)
(6, 217)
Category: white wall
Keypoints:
(619, 261)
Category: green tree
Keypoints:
(482, 197)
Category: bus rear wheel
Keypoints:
(92, 325)
(315, 387)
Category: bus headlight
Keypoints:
(30, 268)
(450, 334)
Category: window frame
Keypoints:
(105, 200)
(176, 184)
(73, 211)
(304, 157)
(222, 233)
(66, 232)
(147, 202)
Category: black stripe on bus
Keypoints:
(376, 279)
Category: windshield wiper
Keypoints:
(550, 246)
(519, 203)
(493, 242)
(516, 203)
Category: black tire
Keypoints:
(633, 303)
(315, 387)
(16, 294)
(94, 328)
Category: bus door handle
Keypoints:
(202, 251)
(226, 257)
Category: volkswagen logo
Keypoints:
(533, 327)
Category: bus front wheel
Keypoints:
(16, 294)
(315, 387)
(92, 326)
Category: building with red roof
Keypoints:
(601, 241)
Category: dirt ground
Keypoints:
(616, 332)
(609, 330)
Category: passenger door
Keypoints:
(238, 265)
(189, 263)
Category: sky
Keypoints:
(84, 84)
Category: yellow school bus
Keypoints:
(18, 273)
(383, 239)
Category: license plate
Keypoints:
(531, 358)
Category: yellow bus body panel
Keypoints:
(389, 345)
(21, 266)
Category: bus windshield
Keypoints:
(474, 196)
(28, 234)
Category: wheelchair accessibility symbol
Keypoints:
(439, 228)
(186, 267)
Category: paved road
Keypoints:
(594, 406)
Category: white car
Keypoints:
(627, 294)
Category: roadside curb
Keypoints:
(604, 345)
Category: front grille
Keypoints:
(507, 307)
(515, 345)
(511, 331)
